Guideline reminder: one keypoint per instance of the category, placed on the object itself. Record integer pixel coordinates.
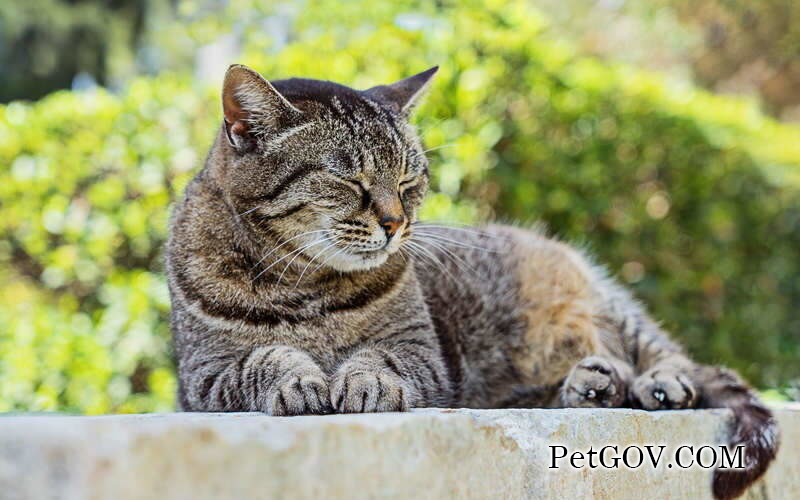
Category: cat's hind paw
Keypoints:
(594, 383)
(664, 389)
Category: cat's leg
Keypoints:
(566, 340)
(665, 373)
(597, 382)
(276, 379)
(398, 372)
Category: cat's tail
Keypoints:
(753, 426)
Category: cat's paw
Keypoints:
(594, 383)
(299, 395)
(366, 391)
(664, 389)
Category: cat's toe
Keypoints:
(300, 395)
(660, 389)
(366, 392)
(594, 383)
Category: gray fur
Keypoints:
(302, 282)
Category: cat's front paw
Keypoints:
(594, 383)
(356, 390)
(664, 389)
(299, 394)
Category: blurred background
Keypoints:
(662, 135)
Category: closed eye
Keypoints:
(361, 190)
(357, 185)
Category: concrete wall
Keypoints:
(424, 454)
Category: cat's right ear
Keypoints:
(251, 106)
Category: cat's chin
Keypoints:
(359, 262)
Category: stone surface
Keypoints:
(424, 454)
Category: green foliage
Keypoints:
(748, 47)
(693, 198)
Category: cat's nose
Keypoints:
(391, 225)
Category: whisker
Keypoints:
(250, 210)
(459, 261)
(422, 153)
(400, 252)
(330, 257)
(285, 242)
(409, 250)
(293, 252)
(468, 229)
(417, 252)
(335, 242)
(325, 240)
(449, 241)
(432, 258)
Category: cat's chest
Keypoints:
(328, 338)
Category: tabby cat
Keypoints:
(303, 283)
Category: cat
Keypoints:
(302, 282)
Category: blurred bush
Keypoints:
(748, 47)
(692, 199)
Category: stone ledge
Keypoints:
(424, 454)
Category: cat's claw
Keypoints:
(593, 383)
(360, 391)
(299, 395)
(664, 389)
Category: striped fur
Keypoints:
(301, 282)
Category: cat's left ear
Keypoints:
(252, 105)
(406, 94)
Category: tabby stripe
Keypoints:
(286, 213)
(233, 396)
(286, 183)
(341, 395)
(366, 199)
(413, 342)
(426, 362)
(256, 316)
(367, 295)
(393, 125)
(283, 402)
(637, 330)
(240, 366)
(270, 366)
(415, 327)
(346, 120)
(217, 389)
(208, 384)
(389, 362)
(422, 385)
(247, 375)
(259, 374)
(380, 388)
(509, 363)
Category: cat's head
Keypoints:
(335, 173)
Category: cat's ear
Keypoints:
(406, 94)
(251, 105)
